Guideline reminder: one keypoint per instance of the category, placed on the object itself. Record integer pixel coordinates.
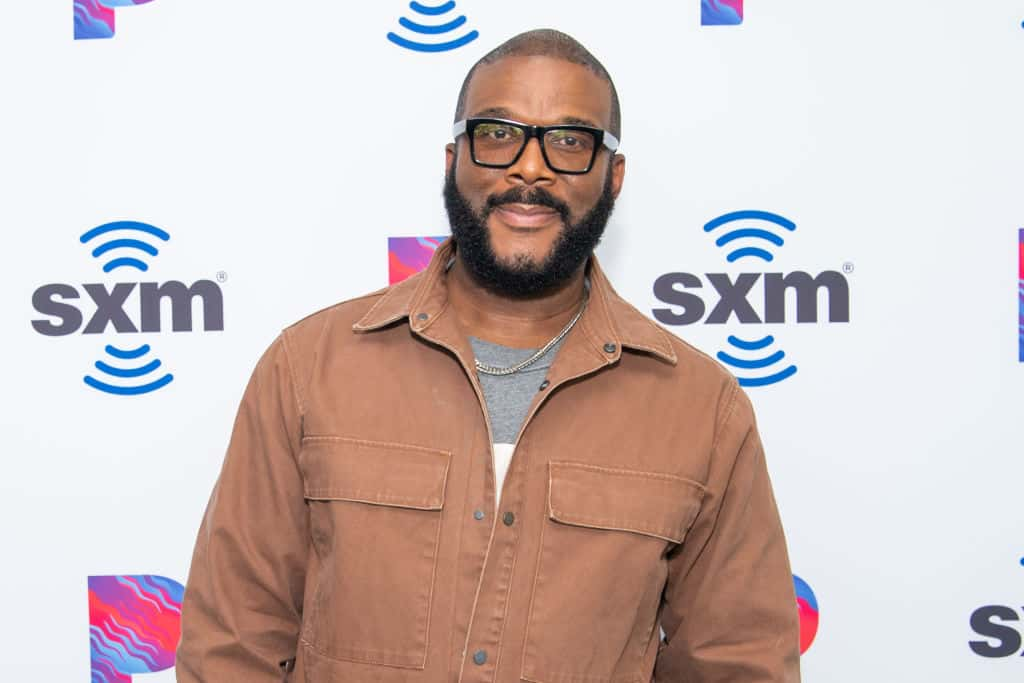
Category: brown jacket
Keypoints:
(345, 531)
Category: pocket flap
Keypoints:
(339, 468)
(650, 503)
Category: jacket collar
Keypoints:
(611, 323)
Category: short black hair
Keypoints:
(546, 42)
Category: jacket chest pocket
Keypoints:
(601, 571)
(375, 517)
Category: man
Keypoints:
(496, 470)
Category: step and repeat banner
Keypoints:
(825, 196)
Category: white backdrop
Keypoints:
(265, 141)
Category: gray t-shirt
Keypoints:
(508, 397)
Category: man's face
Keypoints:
(526, 229)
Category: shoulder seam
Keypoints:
(299, 401)
(730, 408)
(706, 357)
(369, 312)
(379, 293)
(663, 335)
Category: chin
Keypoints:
(519, 260)
(529, 249)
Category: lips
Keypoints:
(526, 215)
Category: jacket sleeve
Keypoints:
(243, 601)
(729, 611)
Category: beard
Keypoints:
(524, 278)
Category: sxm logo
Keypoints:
(126, 246)
(134, 625)
(752, 236)
(721, 12)
(95, 18)
(433, 30)
(998, 624)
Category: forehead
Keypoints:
(540, 90)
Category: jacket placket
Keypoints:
(580, 356)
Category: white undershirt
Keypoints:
(502, 459)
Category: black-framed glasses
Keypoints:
(498, 143)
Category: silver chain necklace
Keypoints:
(493, 370)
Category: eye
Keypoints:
(571, 140)
(496, 132)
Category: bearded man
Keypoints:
(496, 470)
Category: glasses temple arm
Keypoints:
(609, 141)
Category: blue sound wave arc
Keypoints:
(755, 345)
(747, 214)
(737, 254)
(127, 354)
(770, 379)
(772, 359)
(434, 11)
(131, 373)
(435, 47)
(129, 391)
(432, 29)
(125, 262)
(128, 372)
(755, 364)
(750, 233)
(125, 243)
(125, 225)
(121, 243)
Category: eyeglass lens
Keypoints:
(499, 143)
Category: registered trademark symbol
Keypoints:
(222, 276)
(847, 267)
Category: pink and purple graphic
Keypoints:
(1020, 295)
(409, 255)
(807, 605)
(134, 625)
(95, 18)
(721, 12)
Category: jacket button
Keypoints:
(422, 316)
(544, 385)
(479, 657)
(478, 514)
(609, 348)
(508, 518)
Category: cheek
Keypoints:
(583, 197)
(474, 186)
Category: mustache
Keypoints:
(519, 195)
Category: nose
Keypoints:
(530, 168)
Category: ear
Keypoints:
(449, 157)
(618, 173)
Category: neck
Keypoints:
(519, 323)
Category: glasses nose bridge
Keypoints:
(533, 133)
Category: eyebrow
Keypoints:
(503, 113)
